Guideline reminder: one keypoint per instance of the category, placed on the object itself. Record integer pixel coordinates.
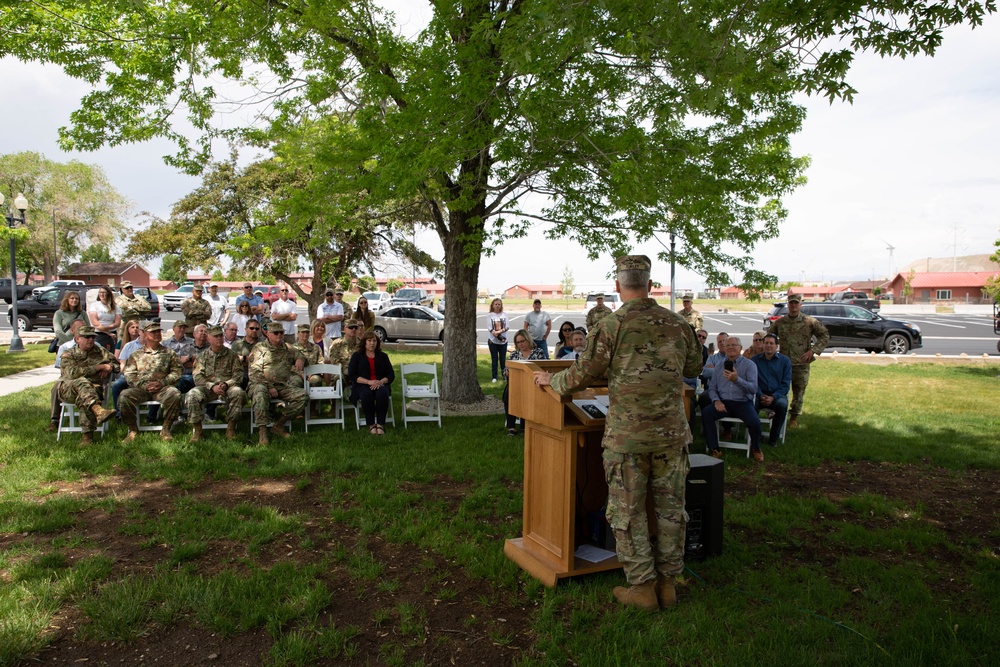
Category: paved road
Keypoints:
(942, 334)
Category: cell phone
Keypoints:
(730, 365)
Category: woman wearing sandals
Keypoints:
(372, 372)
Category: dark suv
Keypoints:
(854, 326)
(37, 312)
(412, 295)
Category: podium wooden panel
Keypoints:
(563, 465)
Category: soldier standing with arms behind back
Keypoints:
(645, 350)
(690, 315)
(196, 309)
(796, 332)
(83, 370)
(597, 312)
(133, 306)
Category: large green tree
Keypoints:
(609, 121)
(73, 206)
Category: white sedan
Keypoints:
(409, 323)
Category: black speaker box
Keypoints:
(703, 502)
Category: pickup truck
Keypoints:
(855, 299)
(23, 291)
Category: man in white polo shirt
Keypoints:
(283, 311)
(331, 313)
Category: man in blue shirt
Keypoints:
(256, 302)
(733, 393)
(774, 379)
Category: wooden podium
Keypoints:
(563, 474)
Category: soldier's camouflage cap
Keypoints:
(351, 323)
(633, 263)
(180, 323)
(214, 331)
(795, 297)
(339, 292)
(687, 297)
(302, 328)
(275, 327)
(151, 326)
(126, 284)
(198, 288)
(86, 332)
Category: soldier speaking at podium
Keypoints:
(645, 351)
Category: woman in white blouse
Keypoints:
(105, 317)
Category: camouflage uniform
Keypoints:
(795, 335)
(144, 366)
(313, 355)
(692, 317)
(133, 308)
(645, 350)
(196, 311)
(80, 383)
(210, 369)
(242, 349)
(341, 351)
(273, 367)
(595, 315)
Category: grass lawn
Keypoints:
(34, 356)
(872, 537)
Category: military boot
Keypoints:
(165, 430)
(278, 428)
(196, 432)
(131, 435)
(642, 596)
(86, 439)
(263, 438)
(101, 414)
(794, 422)
(665, 593)
(231, 431)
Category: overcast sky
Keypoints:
(913, 163)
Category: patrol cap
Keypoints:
(633, 263)
(180, 323)
(302, 328)
(214, 331)
(795, 297)
(351, 323)
(86, 332)
(198, 288)
(275, 327)
(148, 327)
(126, 284)
(687, 297)
(339, 292)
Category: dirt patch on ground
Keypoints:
(462, 620)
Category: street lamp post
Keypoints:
(672, 271)
(21, 204)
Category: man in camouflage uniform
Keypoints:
(276, 372)
(151, 373)
(342, 349)
(645, 351)
(196, 309)
(83, 371)
(243, 347)
(217, 376)
(690, 315)
(133, 306)
(597, 312)
(311, 352)
(802, 339)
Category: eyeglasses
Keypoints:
(352, 327)
(253, 328)
(758, 340)
(702, 337)
(284, 290)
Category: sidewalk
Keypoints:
(36, 377)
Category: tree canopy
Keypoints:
(73, 207)
(608, 122)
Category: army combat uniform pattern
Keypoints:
(645, 351)
(134, 308)
(144, 366)
(273, 367)
(796, 335)
(692, 317)
(313, 355)
(596, 314)
(196, 311)
(211, 368)
(341, 351)
(80, 383)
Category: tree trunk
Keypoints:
(459, 381)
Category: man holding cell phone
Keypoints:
(732, 393)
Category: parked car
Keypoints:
(855, 299)
(36, 312)
(412, 295)
(376, 300)
(996, 323)
(611, 300)
(56, 283)
(441, 305)
(23, 291)
(857, 327)
(174, 299)
(410, 323)
(150, 296)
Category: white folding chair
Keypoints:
(739, 429)
(68, 421)
(334, 394)
(142, 410)
(216, 422)
(766, 423)
(253, 417)
(425, 392)
(359, 417)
